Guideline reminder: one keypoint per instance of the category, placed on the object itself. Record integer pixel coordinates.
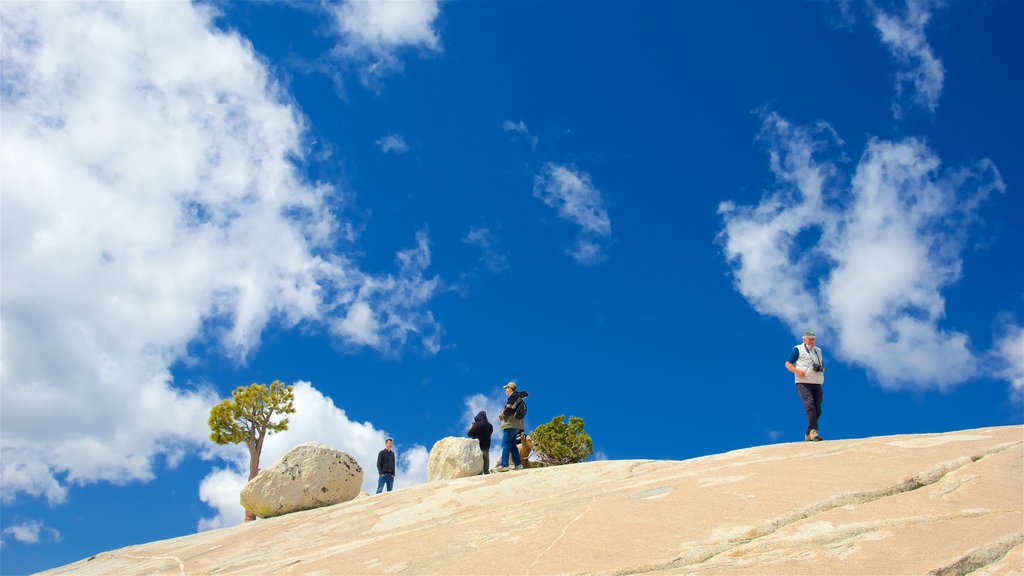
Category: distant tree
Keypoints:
(248, 417)
(561, 442)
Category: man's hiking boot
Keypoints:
(501, 469)
(518, 468)
(813, 436)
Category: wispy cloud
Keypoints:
(919, 69)
(491, 404)
(482, 237)
(31, 532)
(520, 129)
(393, 143)
(385, 310)
(316, 419)
(864, 260)
(373, 33)
(158, 173)
(573, 196)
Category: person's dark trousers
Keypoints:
(810, 395)
(508, 447)
(487, 462)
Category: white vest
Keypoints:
(805, 362)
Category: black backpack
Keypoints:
(520, 412)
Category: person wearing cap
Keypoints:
(809, 371)
(510, 428)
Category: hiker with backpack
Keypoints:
(482, 431)
(512, 425)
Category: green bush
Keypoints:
(562, 442)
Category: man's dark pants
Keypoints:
(810, 395)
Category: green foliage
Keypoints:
(247, 415)
(561, 442)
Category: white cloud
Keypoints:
(360, 325)
(575, 199)
(521, 129)
(220, 489)
(151, 201)
(492, 405)
(386, 309)
(482, 237)
(919, 68)
(29, 532)
(412, 467)
(316, 419)
(863, 261)
(1008, 359)
(393, 143)
(24, 472)
(587, 252)
(372, 32)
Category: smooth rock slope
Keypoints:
(942, 504)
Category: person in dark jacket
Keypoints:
(386, 467)
(482, 431)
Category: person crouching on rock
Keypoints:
(510, 428)
(482, 431)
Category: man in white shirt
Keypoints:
(807, 366)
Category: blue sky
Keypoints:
(632, 209)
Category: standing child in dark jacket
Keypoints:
(482, 431)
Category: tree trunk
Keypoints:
(254, 469)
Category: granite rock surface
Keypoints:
(941, 504)
(310, 475)
(453, 457)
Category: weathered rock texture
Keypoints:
(309, 476)
(924, 504)
(453, 457)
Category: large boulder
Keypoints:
(453, 457)
(311, 475)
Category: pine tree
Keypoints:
(248, 417)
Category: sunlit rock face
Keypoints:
(947, 503)
(310, 475)
(453, 457)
